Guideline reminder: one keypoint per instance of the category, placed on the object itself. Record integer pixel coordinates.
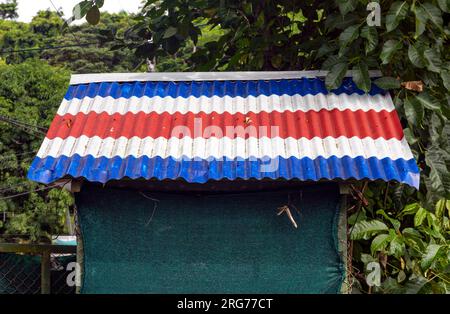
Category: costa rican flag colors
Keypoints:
(213, 129)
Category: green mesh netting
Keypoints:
(225, 243)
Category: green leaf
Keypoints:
(334, 77)
(248, 8)
(371, 36)
(410, 137)
(445, 75)
(433, 13)
(356, 217)
(440, 209)
(81, 9)
(410, 209)
(421, 20)
(367, 258)
(93, 15)
(380, 242)
(387, 82)
(433, 58)
(428, 101)
(348, 35)
(389, 48)
(170, 31)
(420, 216)
(346, 6)
(99, 3)
(397, 246)
(395, 223)
(412, 233)
(432, 252)
(439, 174)
(366, 229)
(361, 76)
(416, 56)
(330, 62)
(396, 14)
(444, 5)
(415, 285)
(401, 276)
(325, 49)
(260, 20)
(413, 110)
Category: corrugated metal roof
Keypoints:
(201, 130)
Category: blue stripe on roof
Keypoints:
(103, 169)
(303, 86)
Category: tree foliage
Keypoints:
(80, 48)
(30, 93)
(8, 10)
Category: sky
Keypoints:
(29, 8)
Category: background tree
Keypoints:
(80, 48)
(8, 10)
(30, 94)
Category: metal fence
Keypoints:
(36, 268)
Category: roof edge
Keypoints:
(201, 76)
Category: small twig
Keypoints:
(360, 194)
(154, 207)
(285, 209)
(360, 203)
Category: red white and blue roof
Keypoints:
(213, 126)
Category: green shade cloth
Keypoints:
(222, 243)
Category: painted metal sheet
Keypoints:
(222, 129)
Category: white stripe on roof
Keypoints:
(226, 147)
(200, 76)
(229, 104)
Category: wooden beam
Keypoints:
(37, 248)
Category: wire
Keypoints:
(25, 125)
(9, 119)
(47, 48)
(60, 15)
(36, 190)
(14, 186)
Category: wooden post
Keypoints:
(45, 272)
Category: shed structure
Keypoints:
(218, 182)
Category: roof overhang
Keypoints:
(200, 76)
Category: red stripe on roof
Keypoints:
(310, 124)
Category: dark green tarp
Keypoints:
(223, 243)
